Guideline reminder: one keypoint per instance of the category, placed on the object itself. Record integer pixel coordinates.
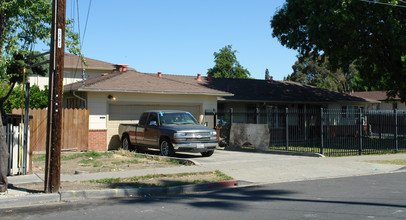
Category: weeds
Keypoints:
(137, 181)
(122, 162)
(89, 162)
(38, 158)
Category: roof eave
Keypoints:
(90, 68)
(297, 102)
(150, 92)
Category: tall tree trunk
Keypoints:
(3, 146)
(3, 159)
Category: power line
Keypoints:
(384, 3)
(87, 19)
(81, 38)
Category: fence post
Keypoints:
(396, 130)
(25, 134)
(287, 129)
(214, 119)
(321, 131)
(360, 130)
(231, 116)
(257, 115)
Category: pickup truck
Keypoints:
(170, 132)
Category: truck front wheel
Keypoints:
(166, 148)
(207, 153)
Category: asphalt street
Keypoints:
(248, 168)
(380, 196)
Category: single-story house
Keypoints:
(121, 97)
(115, 93)
(382, 99)
(250, 95)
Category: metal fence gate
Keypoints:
(333, 132)
(18, 144)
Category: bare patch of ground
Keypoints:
(91, 162)
(147, 181)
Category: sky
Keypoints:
(180, 36)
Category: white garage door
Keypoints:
(131, 113)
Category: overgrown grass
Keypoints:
(89, 162)
(122, 162)
(89, 154)
(337, 151)
(38, 158)
(90, 158)
(137, 181)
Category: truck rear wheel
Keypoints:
(166, 148)
(126, 144)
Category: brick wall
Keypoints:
(97, 139)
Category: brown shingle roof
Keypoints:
(229, 89)
(373, 95)
(72, 62)
(132, 81)
(280, 92)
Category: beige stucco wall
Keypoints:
(99, 107)
(69, 76)
(387, 106)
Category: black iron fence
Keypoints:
(333, 132)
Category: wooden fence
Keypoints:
(74, 134)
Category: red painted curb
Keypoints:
(224, 183)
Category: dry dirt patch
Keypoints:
(91, 162)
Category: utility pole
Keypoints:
(54, 122)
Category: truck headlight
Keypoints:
(213, 135)
(180, 134)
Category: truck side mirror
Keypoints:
(153, 123)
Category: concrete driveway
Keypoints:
(253, 167)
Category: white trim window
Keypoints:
(349, 111)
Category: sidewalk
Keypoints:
(244, 167)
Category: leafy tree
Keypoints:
(370, 35)
(317, 72)
(227, 66)
(364, 84)
(22, 24)
(267, 77)
(38, 98)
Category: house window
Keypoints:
(276, 116)
(74, 102)
(221, 108)
(349, 111)
(252, 113)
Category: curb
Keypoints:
(292, 153)
(32, 199)
(28, 200)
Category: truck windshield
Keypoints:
(177, 118)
